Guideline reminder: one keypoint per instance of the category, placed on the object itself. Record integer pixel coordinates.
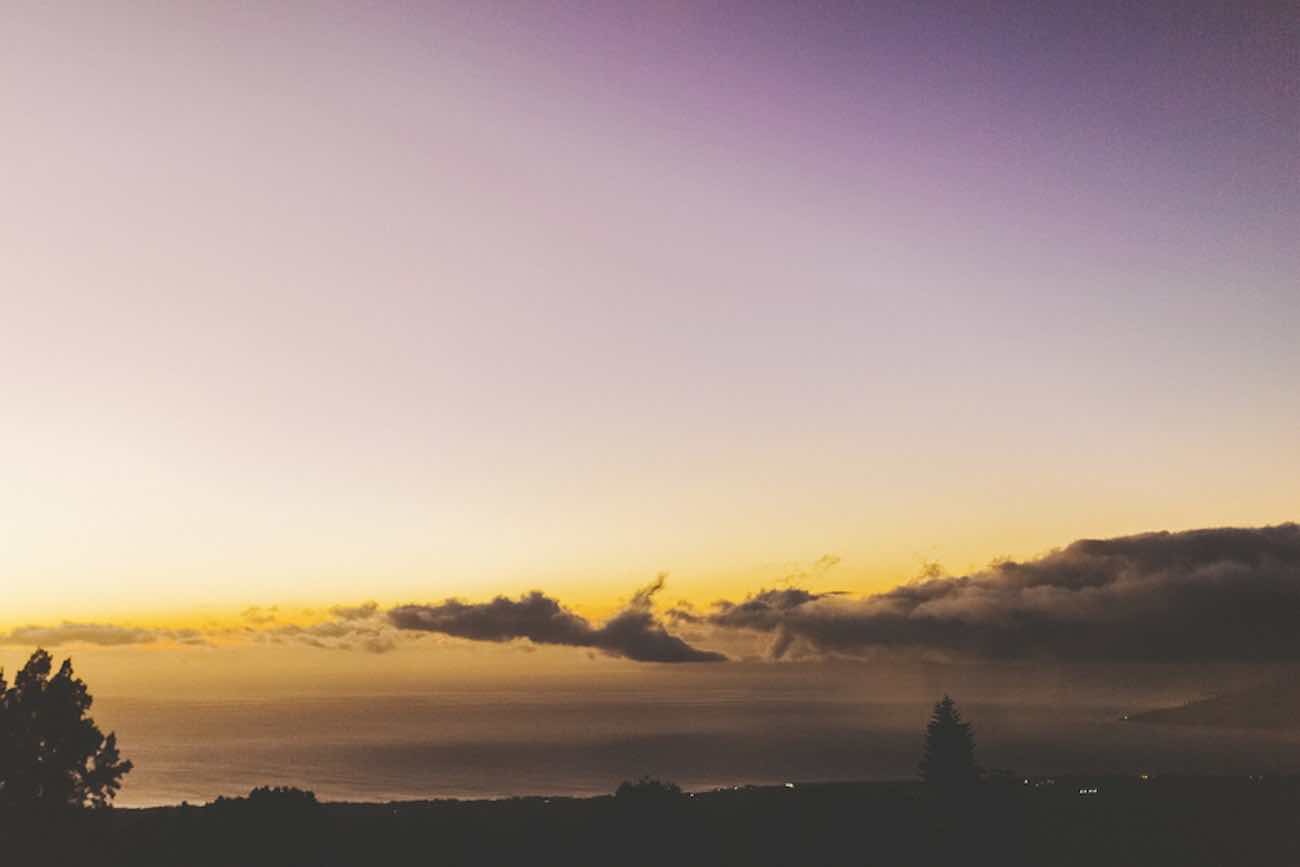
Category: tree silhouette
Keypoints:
(289, 797)
(949, 755)
(51, 753)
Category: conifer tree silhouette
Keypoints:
(949, 754)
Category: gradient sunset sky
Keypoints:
(308, 304)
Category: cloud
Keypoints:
(355, 627)
(1213, 595)
(763, 610)
(380, 642)
(191, 637)
(103, 634)
(259, 615)
(364, 611)
(99, 634)
(634, 633)
(1224, 594)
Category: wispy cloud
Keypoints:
(353, 627)
(101, 634)
(360, 627)
(364, 611)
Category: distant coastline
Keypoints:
(1274, 705)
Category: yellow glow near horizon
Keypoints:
(595, 594)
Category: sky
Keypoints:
(312, 304)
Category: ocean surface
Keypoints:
(488, 743)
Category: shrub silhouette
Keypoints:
(949, 755)
(648, 790)
(287, 797)
(277, 801)
(52, 755)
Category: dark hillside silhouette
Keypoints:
(52, 755)
(1188, 822)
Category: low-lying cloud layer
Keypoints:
(102, 634)
(1216, 595)
(372, 637)
(634, 633)
(359, 627)
(1202, 595)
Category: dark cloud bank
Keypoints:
(1216, 595)
(634, 632)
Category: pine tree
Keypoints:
(949, 755)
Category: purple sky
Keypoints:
(327, 301)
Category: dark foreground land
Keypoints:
(1126, 821)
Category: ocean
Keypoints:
(481, 743)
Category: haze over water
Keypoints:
(568, 739)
